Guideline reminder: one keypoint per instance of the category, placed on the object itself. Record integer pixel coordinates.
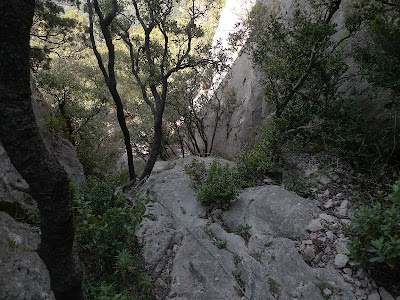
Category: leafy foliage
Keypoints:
(379, 56)
(219, 188)
(105, 227)
(302, 61)
(375, 231)
(257, 161)
(54, 31)
(243, 231)
(222, 243)
(197, 171)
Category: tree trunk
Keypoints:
(125, 131)
(20, 137)
(156, 145)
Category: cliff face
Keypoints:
(242, 95)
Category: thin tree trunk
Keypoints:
(156, 145)
(21, 138)
(125, 131)
(109, 76)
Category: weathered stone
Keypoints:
(23, 274)
(327, 292)
(274, 216)
(341, 260)
(342, 246)
(347, 271)
(14, 191)
(327, 218)
(309, 253)
(361, 273)
(385, 295)
(330, 235)
(374, 296)
(325, 180)
(314, 225)
(343, 207)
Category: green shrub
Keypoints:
(219, 188)
(243, 231)
(258, 160)
(197, 171)
(222, 243)
(105, 231)
(375, 232)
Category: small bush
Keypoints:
(105, 231)
(222, 243)
(375, 232)
(197, 171)
(219, 188)
(243, 231)
(257, 161)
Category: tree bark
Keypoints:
(156, 144)
(20, 137)
(109, 76)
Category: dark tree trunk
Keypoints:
(124, 128)
(156, 144)
(109, 76)
(20, 137)
(68, 122)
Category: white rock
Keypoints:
(339, 195)
(374, 296)
(327, 218)
(324, 179)
(341, 260)
(348, 278)
(348, 271)
(345, 221)
(329, 203)
(330, 235)
(384, 294)
(327, 292)
(341, 246)
(343, 207)
(314, 225)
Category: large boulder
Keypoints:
(23, 275)
(185, 250)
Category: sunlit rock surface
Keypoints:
(180, 244)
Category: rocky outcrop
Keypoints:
(246, 252)
(14, 191)
(242, 96)
(23, 275)
(62, 148)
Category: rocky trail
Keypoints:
(270, 244)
